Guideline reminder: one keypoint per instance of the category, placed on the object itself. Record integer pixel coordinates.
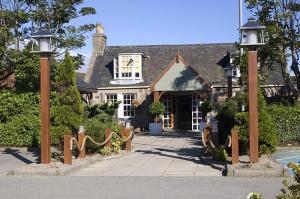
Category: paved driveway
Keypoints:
(168, 155)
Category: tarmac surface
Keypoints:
(67, 187)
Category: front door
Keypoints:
(184, 112)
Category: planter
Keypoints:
(155, 129)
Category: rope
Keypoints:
(228, 141)
(96, 143)
(129, 137)
(72, 141)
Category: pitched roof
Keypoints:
(203, 58)
(83, 86)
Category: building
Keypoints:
(181, 76)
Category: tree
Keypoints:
(19, 18)
(282, 19)
(67, 112)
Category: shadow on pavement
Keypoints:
(21, 156)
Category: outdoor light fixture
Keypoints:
(252, 38)
(44, 40)
(252, 34)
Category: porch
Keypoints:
(182, 109)
(182, 90)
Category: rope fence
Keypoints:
(80, 143)
(74, 140)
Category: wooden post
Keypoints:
(234, 146)
(253, 105)
(107, 134)
(156, 96)
(125, 133)
(67, 150)
(81, 136)
(45, 106)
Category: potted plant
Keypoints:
(156, 108)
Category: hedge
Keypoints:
(19, 119)
(21, 131)
(287, 121)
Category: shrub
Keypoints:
(267, 131)
(242, 126)
(291, 191)
(105, 151)
(21, 131)
(13, 104)
(226, 118)
(106, 108)
(95, 127)
(206, 107)
(67, 112)
(286, 119)
(19, 119)
(220, 154)
(157, 108)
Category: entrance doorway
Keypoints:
(184, 112)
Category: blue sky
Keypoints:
(140, 22)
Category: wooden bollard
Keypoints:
(67, 150)
(125, 133)
(234, 146)
(107, 134)
(81, 136)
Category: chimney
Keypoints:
(99, 40)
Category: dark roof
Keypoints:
(203, 58)
(83, 86)
(207, 59)
(252, 24)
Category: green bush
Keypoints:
(206, 107)
(226, 118)
(21, 131)
(95, 127)
(287, 121)
(13, 104)
(106, 108)
(267, 130)
(67, 110)
(242, 126)
(220, 154)
(291, 191)
(19, 119)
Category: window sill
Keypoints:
(125, 81)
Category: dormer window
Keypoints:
(128, 66)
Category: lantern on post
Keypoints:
(252, 38)
(252, 34)
(44, 40)
(231, 72)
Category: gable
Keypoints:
(180, 77)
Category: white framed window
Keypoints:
(111, 98)
(128, 66)
(128, 108)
